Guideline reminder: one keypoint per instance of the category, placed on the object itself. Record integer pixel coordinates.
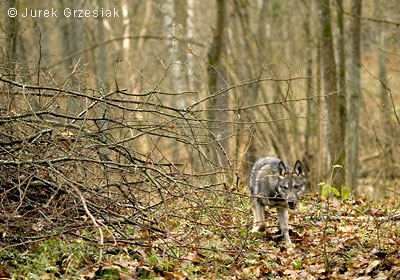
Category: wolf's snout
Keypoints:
(292, 204)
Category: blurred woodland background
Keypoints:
(165, 105)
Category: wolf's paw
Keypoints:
(259, 228)
(287, 240)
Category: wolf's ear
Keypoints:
(282, 169)
(299, 168)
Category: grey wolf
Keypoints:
(276, 184)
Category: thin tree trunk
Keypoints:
(354, 99)
(101, 68)
(222, 102)
(65, 38)
(177, 81)
(126, 28)
(78, 43)
(320, 131)
(102, 84)
(11, 27)
(309, 83)
(341, 51)
(174, 65)
(44, 40)
(180, 56)
(213, 67)
(146, 21)
(190, 35)
(334, 128)
(386, 108)
(341, 69)
(214, 54)
(77, 38)
(310, 159)
(36, 101)
(70, 35)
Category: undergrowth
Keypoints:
(361, 240)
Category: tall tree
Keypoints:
(65, 38)
(309, 81)
(384, 100)
(11, 27)
(43, 36)
(78, 44)
(146, 21)
(341, 51)
(72, 34)
(180, 55)
(214, 53)
(126, 29)
(213, 67)
(101, 63)
(190, 7)
(175, 68)
(334, 128)
(354, 98)
(310, 158)
(102, 48)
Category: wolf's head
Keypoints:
(291, 183)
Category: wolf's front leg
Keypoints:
(259, 217)
(284, 223)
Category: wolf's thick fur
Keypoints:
(275, 184)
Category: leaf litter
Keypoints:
(332, 239)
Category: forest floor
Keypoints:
(332, 239)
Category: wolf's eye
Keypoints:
(284, 187)
(296, 187)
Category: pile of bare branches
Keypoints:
(63, 170)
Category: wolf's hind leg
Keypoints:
(259, 217)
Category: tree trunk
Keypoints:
(311, 149)
(385, 103)
(102, 85)
(71, 31)
(213, 68)
(102, 50)
(175, 66)
(180, 55)
(214, 54)
(101, 62)
(78, 44)
(65, 38)
(44, 44)
(334, 114)
(320, 166)
(341, 50)
(146, 21)
(11, 27)
(190, 7)
(309, 84)
(354, 99)
(126, 27)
